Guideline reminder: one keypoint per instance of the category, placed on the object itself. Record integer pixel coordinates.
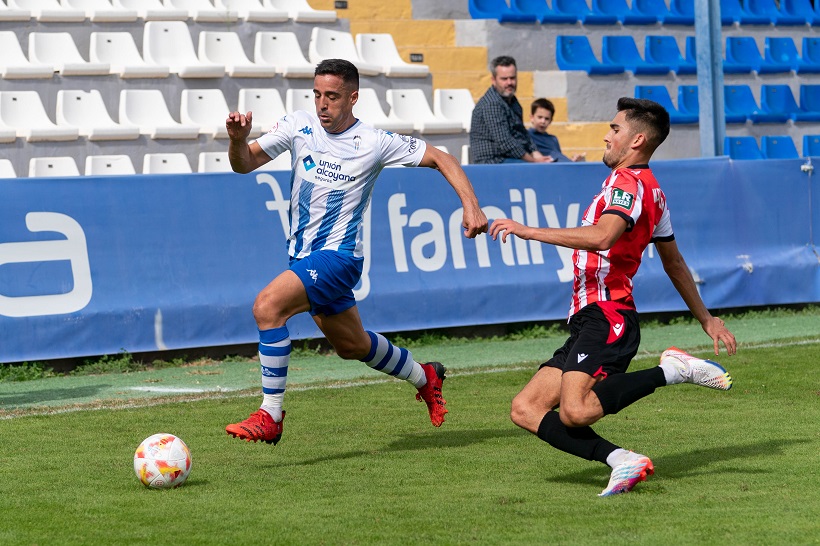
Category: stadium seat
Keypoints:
(7, 169)
(335, 44)
(15, 65)
(166, 163)
(24, 111)
(498, 9)
(777, 15)
(575, 53)
(86, 111)
(688, 102)
(742, 147)
(214, 162)
(739, 103)
(13, 14)
(108, 165)
(252, 11)
(811, 145)
(778, 106)
(660, 94)
(101, 11)
(622, 51)
(622, 12)
(412, 105)
(41, 167)
(153, 10)
(206, 108)
(664, 50)
(582, 11)
(225, 48)
(782, 50)
(299, 99)
(778, 147)
(146, 108)
(266, 105)
(811, 50)
(681, 12)
(282, 51)
(809, 102)
(541, 10)
(203, 11)
(119, 50)
(743, 55)
(58, 49)
(301, 12)
(380, 50)
(7, 134)
(733, 11)
(800, 8)
(281, 162)
(651, 8)
(48, 11)
(465, 154)
(454, 104)
(369, 109)
(168, 43)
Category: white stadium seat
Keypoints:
(369, 109)
(58, 49)
(108, 165)
(153, 10)
(281, 162)
(119, 50)
(465, 154)
(335, 44)
(299, 99)
(265, 104)
(40, 167)
(203, 11)
(101, 11)
(206, 108)
(251, 11)
(13, 14)
(225, 48)
(455, 105)
(86, 111)
(24, 111)
(214, 162)
(13, 62)
(301, 12)
(168, 43)
(167, 163)
(146, 108)
(48, 11)
(412, 105)
(7, 169)
(380, 50)
(7, 134)
(282, 51)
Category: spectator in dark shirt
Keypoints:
(497, 133)
(541, 113)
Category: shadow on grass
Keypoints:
(417, 442)
(15, 400)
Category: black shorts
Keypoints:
(603, 340)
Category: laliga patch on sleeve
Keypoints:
(621, 198)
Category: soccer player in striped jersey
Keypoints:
(336, 159)
(587, 377)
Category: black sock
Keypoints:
(620, 390)
(579, 441)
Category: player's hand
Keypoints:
(505, 227)
(717, 330)
(239, 125)
(474, 223)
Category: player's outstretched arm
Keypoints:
(474, 220)
(600, 236)
(675, 267)
(244, 157)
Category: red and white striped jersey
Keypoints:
(633, 194)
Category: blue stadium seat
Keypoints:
(541, 10)
(497, 9)
(583, 12)
(660, 94)
(809, 101)
(688, 102)
(621, 50)
(738, 103)
(655, 8)
(742, 147)
(742, 55)
(681, 12)
(782, 50)
(575, 53)
(801, 8)
(777, 105)
(732, 11)
(664, 50)
(811, 50)
(621, 11)
(778, 147)
(811, 145)
(768, 8)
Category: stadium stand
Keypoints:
(542, 12)
(282, 162)
(119, 51)
(575, 53)
(660, 94)
(86, 111)
(623, 13)
(214, 162)
(48, 11)
(299, 99)
(203, 11)
(282, 51)
(733, 12)
(107, 165)
(584, 13)
(681, 12)
(7, 169)
(411, 105)
(776, 14)
(102, 11)
(809, 101)
(334, 44)
(664, 50)
(52, 166)
(166, 163)
(15, 65)
(742, 147)
(811, 145)
(169, 43)
(13, 14)
(251, 11)
(801, 8)
(454, 105)
(302, 12)
(24, 111)
(777, 102)
(782, 50)
(225, 48)
(380, 50)
(778, 147)
(498, 9)
(266, 105)
(153, 10)
(743, 55)
(146, 109)
(59, 50)
(369, 109)
(622, 51)
(206, 108)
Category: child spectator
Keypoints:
(541, 114)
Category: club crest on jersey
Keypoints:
(621, 198)
(308, 163)
(357, 141)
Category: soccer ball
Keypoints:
(162, 461)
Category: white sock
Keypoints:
(617, 457)
(417, 377)
(396, 361)
(272, 403)
(671, 373)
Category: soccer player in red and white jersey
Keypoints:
(587, 377)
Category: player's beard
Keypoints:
(610, 160)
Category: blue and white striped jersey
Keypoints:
(332, 178)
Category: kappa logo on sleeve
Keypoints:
(621, 198)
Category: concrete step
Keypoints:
(447, 58)
(580, 135)
(409, 32)
(369, 9)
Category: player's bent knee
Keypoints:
(577, 416)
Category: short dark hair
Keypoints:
(542, 103)
(341, 68)
(647, 117)
(503, 60)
